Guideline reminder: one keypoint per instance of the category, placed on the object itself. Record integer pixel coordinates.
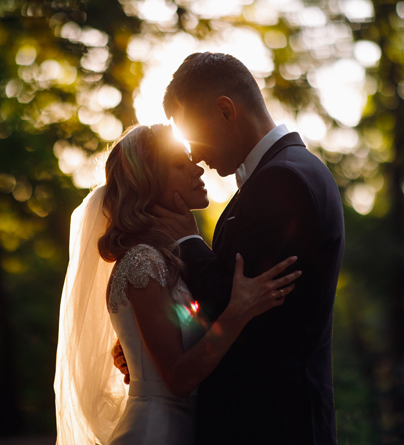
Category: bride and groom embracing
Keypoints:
(213, 356)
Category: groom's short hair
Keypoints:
(202, 77)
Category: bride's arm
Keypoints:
(155, 314)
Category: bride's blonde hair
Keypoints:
(136, 174)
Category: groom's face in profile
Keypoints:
(208, 138)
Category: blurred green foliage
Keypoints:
(54, 55)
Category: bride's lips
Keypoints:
(200, 186)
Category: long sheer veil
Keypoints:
(90, 392)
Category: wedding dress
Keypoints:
(92, 402)
(152, 414)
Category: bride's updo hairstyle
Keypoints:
(136, 174)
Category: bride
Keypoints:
(124, 280)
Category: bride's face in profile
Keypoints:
(184, 177)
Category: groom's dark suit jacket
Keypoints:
(275, 384)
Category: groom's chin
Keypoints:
(223, 172)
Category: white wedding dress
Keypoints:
(152, 414)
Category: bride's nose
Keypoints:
(198, 170)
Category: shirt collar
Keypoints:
(254, 157)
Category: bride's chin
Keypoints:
(200, 205)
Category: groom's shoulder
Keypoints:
(298, 160)
(294, 168)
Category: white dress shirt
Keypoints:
(254, 157)
(252, 160)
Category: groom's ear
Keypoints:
(226, 108)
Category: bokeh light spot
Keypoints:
(109, 127)
(357, 10)
(26, 55)
(367, 53)
(362, 197)
(109, 96)
(311, 125)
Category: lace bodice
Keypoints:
(139, 264)
(137, 267)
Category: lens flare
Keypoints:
(195, 306)
(179, 136)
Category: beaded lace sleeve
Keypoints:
(139, 264)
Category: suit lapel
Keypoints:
(286, 141)
(222, 219)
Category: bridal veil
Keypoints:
(90, 392)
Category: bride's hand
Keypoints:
(120, 361)
(253, 296)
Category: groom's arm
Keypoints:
(277, 219)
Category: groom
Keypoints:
(275, 384)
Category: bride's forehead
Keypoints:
(174, 147)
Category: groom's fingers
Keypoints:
(161, 212)
(183, 209)
(180, 204)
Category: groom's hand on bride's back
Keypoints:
(177, 224)
(120, 361)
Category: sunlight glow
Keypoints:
(260, 13)
(165, 57)
(367, 53)
(341, 90)
(138, 49)
(311, 125)
(157, 11)
(312, 16)
(246, 45)
(217, 9)
(178, 135)
(220, 189)
(342, 85)
(357, 10)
